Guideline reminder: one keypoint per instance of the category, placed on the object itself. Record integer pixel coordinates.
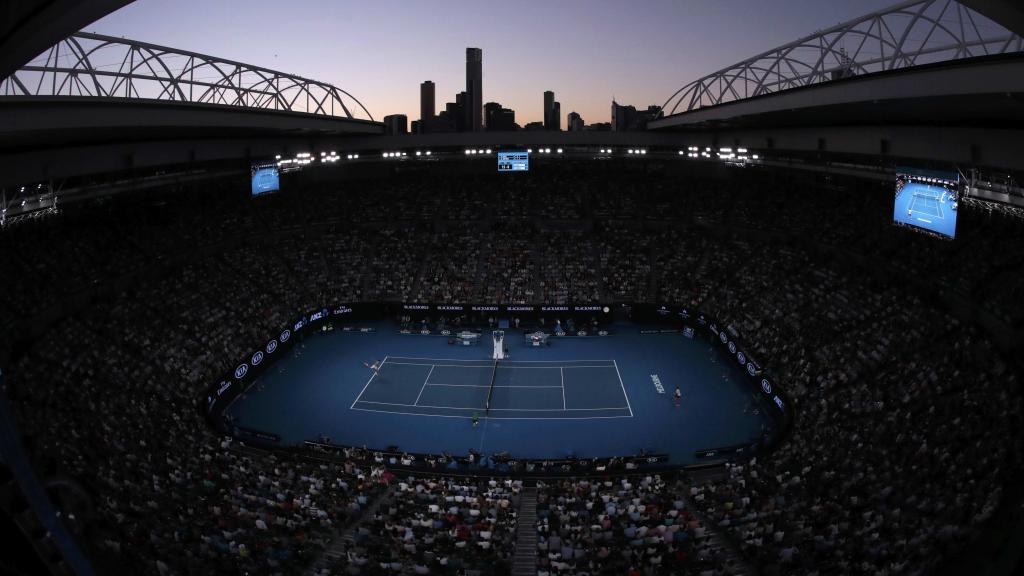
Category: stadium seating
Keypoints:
(908, 423)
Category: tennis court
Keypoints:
(511, 390)
(925, 206)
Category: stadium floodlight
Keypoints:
(529, 150)
(644, 151)
(630, 151)
(559, 150)
(725, 150)
(278, 157)
(428, 152)
(418, 153)
(741, 150)
(488, 150)
(467, 152)
(754, 156)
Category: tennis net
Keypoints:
(490, 391)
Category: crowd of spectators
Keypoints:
(633, 525)
(438, 526)
(909, 423)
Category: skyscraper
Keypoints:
(396, 124)
(556, 117)
(426, 101)
(623, 117)
(498, 118)
(574, 123)
(549, 106)
(627, 118)
(474, 89)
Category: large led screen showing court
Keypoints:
(514, 161)
(927, 199)
(265, 179)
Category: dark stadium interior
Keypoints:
(849, 381)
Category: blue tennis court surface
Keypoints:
(522, 389)
(925, 206)
(588, 397)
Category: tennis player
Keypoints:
(677, 397)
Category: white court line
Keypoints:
(488, 386)
(504, 362)
(367, 385)
(491, 417)
(496, 409)
(623, 389)
(422, 388)
(561, 372)
(500, 366)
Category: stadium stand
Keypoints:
(908, 427)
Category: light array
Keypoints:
(301, 159)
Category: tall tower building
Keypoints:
(556, 117)
(549, 106)
(474, 89)
(574, 123)
(426, 101)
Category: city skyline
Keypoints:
(382, 52)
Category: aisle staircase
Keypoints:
(524, 563)
(345, 539)
(715, 542)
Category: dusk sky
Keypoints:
(586, 51)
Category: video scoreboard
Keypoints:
(513, 161)
(265, 179)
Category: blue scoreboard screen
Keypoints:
(513, 161)
(927, 199)
(265, 179)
